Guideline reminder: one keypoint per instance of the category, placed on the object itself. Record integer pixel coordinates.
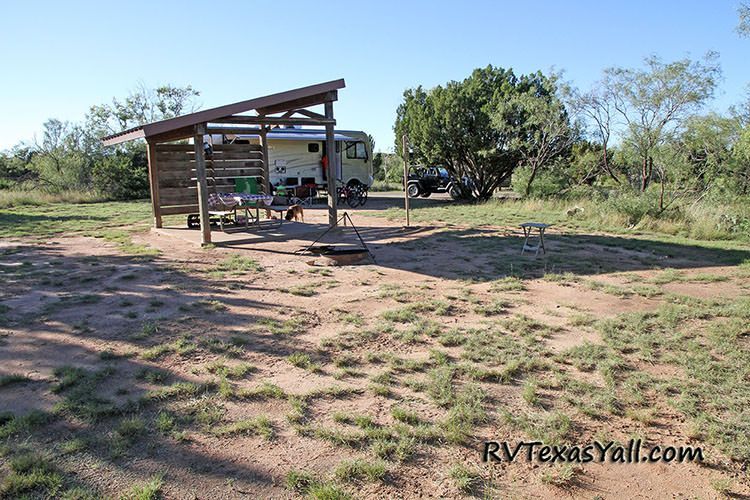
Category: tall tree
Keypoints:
(595, 108)
(142, 105)
(482, 127)
(743, 24)
(537, 122)
(653, 102)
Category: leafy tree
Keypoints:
(538, 124)
(141, 106)
(59, 161)
(595, 109)
(480, 127)
(743, 24)
(653, 103)
(741, 162)
(706, 145)
(70, 156)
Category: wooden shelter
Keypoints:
(177, 172)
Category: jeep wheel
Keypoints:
(454, 192)
(412, 190)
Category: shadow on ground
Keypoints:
(78, 327)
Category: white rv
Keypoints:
(296, 155)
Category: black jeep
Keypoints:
(423, 181)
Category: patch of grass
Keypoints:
(72, 446)
(494, 308)
(299, 481)
(530, 392)
(79, 387)
(610, 289)
(561, 477)
(211, 305)
(413, 312)
(406, 416)
(148, 329)
(564, 279)
(266, 390)
(465, 413)
(178, 390)
(290, 326)
(124, 240)
(440, 385)
(644, 416)
(238, 265)
(237, 371)
(648, 291)
(466, 480)
(32, 476)
(126, 433)
(507, 284)
(13, 378)
(582, 320)
(393, 291)
(353, 471)
(327, 491)
(165, 422)
(352, 318)
(11, 425)
(149, 490)
(302, 290)
(303, 360)
(667, 276)
(550, 428)
(183, 346)
(257, 426)
(588, 356)
(722, 485)
(380, 390)
(152, 375)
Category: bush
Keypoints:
(547, 183)
(634, 206)
(124, 175)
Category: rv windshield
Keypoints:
(356, 150)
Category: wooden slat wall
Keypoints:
(176, 173)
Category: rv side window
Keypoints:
(356, 150)
(313, 147)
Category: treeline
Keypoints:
(637, 138)
(69, 157)
(635, 129)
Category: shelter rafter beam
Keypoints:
(273, 120)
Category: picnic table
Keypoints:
(224, 204)
(528, 228)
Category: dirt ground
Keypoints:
(82, 302)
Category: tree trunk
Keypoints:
(647, 170)
(531, 180)
(661, 194)
(606, 165)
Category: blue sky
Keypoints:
(61, 57)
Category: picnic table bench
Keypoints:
(224, 205)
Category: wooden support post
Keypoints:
(200, 173)
(263, 137)
(153, 179)
(405, 144)
(331, 154)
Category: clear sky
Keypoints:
(61, 57)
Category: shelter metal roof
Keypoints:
(274, 103)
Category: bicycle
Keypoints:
(354, 194)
